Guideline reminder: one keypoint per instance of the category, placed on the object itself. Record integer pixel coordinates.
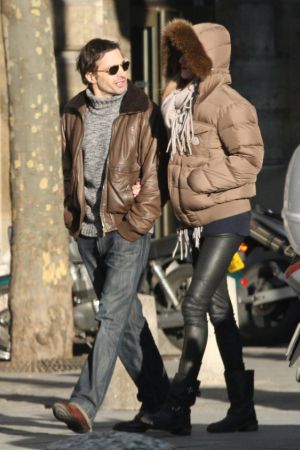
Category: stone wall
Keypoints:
(265, 60)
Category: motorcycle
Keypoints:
(165, 277)
(268, 308)
(4, 319)
(292, 275)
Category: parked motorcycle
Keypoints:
(4, 319)
(165, 277)
(268, 308)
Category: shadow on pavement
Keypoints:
(269, 437)
(275, 437)
(46, 401)
(39, 382)
(265, 354)
(273, 399)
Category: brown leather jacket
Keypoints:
(138, 138)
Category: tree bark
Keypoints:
(40, 292)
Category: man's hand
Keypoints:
(136, 188)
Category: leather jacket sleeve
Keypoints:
(66, 160)
(153, 162)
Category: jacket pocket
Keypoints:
(119, 188)
(205, 139)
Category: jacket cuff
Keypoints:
(128, 232)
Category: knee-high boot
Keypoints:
(241, 415)
(175, 414)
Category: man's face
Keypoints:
(103, 84)
(185, 71)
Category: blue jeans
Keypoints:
(115, 266)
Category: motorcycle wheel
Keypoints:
(272, 323)
(179, 279)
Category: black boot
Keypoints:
(153, 384)
(241, 414)
(175, 414)
(135, 425)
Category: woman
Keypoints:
(216, 152)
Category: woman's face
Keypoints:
(185, 71)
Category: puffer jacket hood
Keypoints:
(206, 47)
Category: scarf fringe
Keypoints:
(184, 243)
(182, 131)
(177, 110)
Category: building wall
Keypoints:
(265, 61)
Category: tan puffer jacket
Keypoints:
(218, 179)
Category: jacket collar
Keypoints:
(135, 100)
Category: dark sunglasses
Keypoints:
(113, 70)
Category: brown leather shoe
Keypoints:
(73, 416)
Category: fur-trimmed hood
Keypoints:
(206, 47)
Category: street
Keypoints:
(27, 421)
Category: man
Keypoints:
(112, 137)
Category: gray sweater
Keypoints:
(98, 122)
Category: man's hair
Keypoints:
(90, 53)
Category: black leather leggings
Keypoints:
(208, 294)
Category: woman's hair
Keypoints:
(90, 53)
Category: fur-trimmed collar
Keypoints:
(134, 100)
(206, 47)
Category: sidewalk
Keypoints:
(25, 422)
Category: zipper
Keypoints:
(105, 227)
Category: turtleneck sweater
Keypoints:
(98, 121)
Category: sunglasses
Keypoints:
(113, 70)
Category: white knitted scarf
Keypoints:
(178, 116)
(177, 110)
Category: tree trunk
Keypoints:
(40, 293)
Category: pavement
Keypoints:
(26, 420)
